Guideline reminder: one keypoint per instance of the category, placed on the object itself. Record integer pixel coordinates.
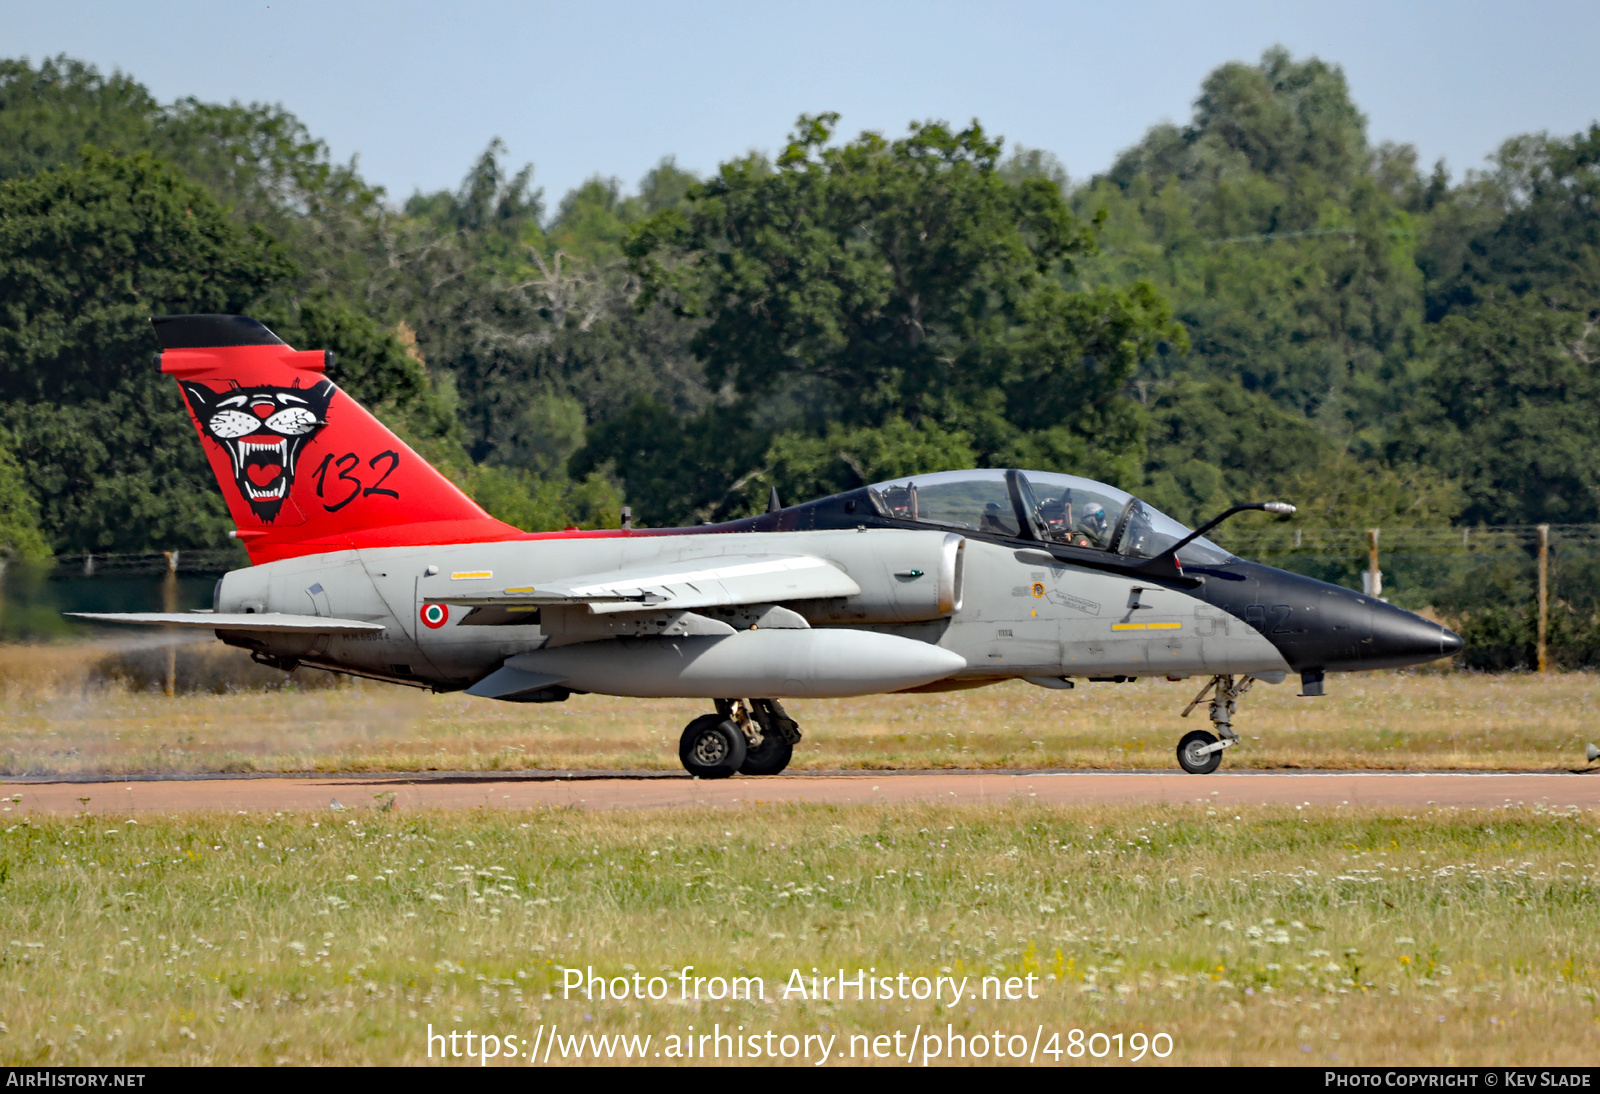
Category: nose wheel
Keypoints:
(1199, 752)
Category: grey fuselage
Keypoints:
(1014, 612)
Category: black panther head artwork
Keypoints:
(263, 429)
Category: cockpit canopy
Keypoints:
(1040, 505)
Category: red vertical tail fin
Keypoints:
(304, 468)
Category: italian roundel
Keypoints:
(435, 616)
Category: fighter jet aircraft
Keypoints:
(367, 561)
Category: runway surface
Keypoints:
(644, 790)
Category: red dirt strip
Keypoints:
(601, 790)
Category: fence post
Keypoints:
(1544, 593)
(1372, 580)
(169, 602)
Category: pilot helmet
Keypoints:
(1092, 519)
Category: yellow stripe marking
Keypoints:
(1146, 626)
(467, 575)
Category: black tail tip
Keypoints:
(211, 331)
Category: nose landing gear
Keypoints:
(1199, 752)
(750, 736)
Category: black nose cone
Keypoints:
(1400, 639)
(1321, 627)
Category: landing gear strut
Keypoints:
(750, 736)
(1200, 753)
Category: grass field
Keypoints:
(1263, 936)
(64, 714)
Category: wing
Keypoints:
(722, 581)
(269, 622)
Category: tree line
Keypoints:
(1257, 302)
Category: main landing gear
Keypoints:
(1199, 752)
(748, 736)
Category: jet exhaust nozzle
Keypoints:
(1592, 753)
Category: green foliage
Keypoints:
(1345, 492)
(272, 175)
(803, 466)
(594, 221)
(850, 287)
(495, 211)
(898, 276)
(87, 254)
(258, 161)
(1545, 240)
(1058, 448)
(1495, 609)
(49, 113)
(1213, 444)
(1509, 410)
(20, 537)
(527, 325)
(1288, 261)
(1509, 402)
(375, 366)
(544, 503)
(1028, 163)
(1281, 118)
(677, 470)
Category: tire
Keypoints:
(1196, 764)
(711, 747)
(769, 757)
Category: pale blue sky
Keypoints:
(609, 86)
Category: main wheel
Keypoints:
(1192, 760)
(767, 758)
(711, 747)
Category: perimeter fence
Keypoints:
(1483, 581)
(34, 596)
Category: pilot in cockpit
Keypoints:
(899, 501)
(1089, 525)
(993, 520)
(1080, 524)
